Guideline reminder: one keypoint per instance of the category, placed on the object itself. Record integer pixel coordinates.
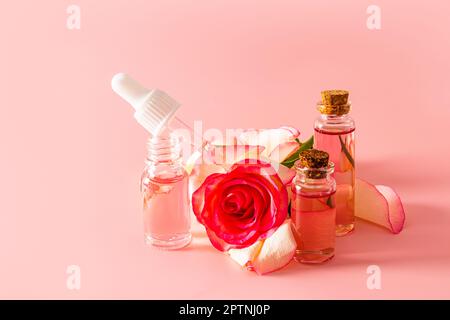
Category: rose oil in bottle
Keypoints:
(334, 133)
(164, 188)
(313, 211)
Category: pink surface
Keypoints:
(72, 154)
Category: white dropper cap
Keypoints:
(153, 108)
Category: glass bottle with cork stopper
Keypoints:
(313, 210)
(334, 133)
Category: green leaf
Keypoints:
(346, 152)
(330, 202)
(290, 161)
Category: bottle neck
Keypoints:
(335, 118)
(311, 180)
(334, 124)
(164, 157)
(163, 149)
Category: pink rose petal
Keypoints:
(199, 173)
(269, 138)
(244, 256)
(379, 205)
(268, 255)
(283, 151)
(227, 155)
(286, 175)
(396, 211)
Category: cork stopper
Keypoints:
(334, 102)
(314, 159)
(334, 97)
(315, 162)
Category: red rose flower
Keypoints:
(242, 206)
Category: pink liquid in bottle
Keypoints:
(313, 218)
(340, 146)
(166, 207)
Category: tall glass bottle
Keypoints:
(313, 211)
(164, 187)
(334, 133)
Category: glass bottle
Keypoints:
(313, 211)
(164, 187)
(164, 183)
(334, 133)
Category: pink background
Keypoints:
(72, 154)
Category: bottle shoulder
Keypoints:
(334, 124)
(163, 173)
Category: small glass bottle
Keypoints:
(313, 211)
(334, 133)
(164, 187)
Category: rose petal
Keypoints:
(199, 174)
(268, 255)
(276, 185)
(217, 242)
(396, 211)
(283, 151)
(224, 246)
(222, 225)
(227, 155)
(198, 197)
(246, 255)
(258, 167)
(269, 138)
(277, 250)
(379, 205)
(234, 230)
(286, 175)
